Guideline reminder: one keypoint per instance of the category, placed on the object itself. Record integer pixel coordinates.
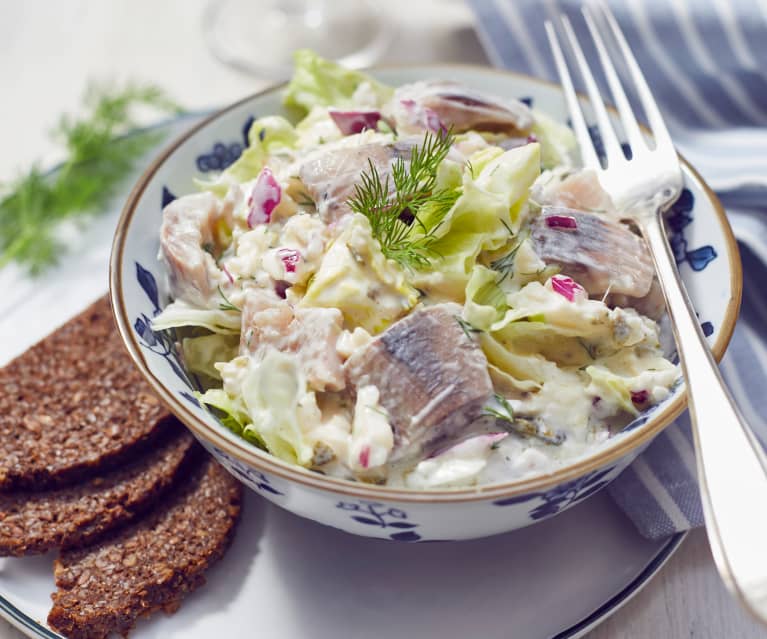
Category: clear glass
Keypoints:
(260, 36)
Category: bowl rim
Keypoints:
(265, 462)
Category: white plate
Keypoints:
(289, 578)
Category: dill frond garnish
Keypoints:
(403, 208)
(98, 160)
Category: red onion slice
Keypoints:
(350, 122)
(365, 456)
(290, 259)
(561, 222)
(264, 198)
(566, 287)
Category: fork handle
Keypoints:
(732, 466)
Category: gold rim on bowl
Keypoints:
(263, 461)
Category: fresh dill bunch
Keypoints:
(99, 156)
(404, 209)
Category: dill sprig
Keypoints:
(403, 208)
(97, 161)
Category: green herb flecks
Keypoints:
(525, 427)
(505, 265)
(591, 349)
(466, 327)
(226, 305)
(98, 159)
(400, 205)
(506, 413)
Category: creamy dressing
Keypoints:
(274, 255)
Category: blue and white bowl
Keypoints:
(703, 243)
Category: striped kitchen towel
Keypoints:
(705, 61)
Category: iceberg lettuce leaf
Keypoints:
(479, 220)
(558, 144)
(271, 391)
(231, 412)
(355, 277)
(202, 353)
(485, 301)
(179, 313)
(317, 81)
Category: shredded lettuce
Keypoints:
(180, 313)
(202, 353)
(272, 390)
(583, 318)
(480, 220)
(510, 176)
(480, 159)
(231, 412)
(485, 301)
(355, 277)
(317, 81)
(533, 368)
(558, 144)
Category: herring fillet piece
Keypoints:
(456, 106)
(432, 378)
(310, 333)
(188, 227)
(330, 175)
(600, 254)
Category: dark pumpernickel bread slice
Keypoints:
(150, 565)
(73, 405)
(77, 515)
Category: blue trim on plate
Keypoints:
(25, 623)
(615, 602)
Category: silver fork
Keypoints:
(732, 467)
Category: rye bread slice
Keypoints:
(32, 523)
(150, 565)
(73, 405)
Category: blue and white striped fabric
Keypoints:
(706, 61)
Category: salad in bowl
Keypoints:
(412, 286)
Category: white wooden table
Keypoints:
(51, 49)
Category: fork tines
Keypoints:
(612, 147)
